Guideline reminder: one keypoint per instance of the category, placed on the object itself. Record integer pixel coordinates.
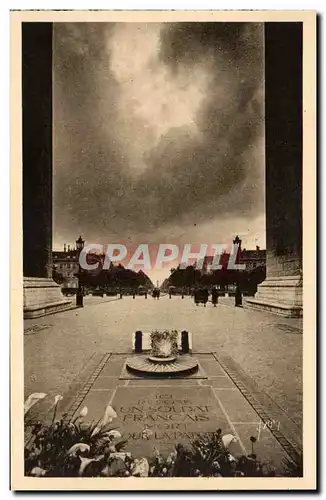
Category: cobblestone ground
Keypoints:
(267, 347)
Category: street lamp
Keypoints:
(80, 293)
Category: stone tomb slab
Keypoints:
(172, 415)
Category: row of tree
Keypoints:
(192, 277)
(115, 277)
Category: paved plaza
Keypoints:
(251, 360)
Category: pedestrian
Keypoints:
(205, 296)
(238, 297)
(145, 295)
(214, 296)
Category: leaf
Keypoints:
(121, 444)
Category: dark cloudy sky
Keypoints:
(158, 132)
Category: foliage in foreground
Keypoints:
(78, 449)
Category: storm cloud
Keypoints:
(158, 131)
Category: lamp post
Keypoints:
(80, 292)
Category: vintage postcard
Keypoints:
(163, 309)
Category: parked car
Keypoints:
(201, 296)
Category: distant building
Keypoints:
(253, 258)
(250, 258)
(66, 263)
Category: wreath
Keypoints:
(158, 336)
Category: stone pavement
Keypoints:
(258, 355)
(178, 410)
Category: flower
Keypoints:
(83, 412)
(156, 452)
(253, 440)
(216, 465)
(114, 434)
(57, 399)
(140, 468)
(109, 413)
(171, 457)
(227, 439)
(32, 400)
(108, 416)
(81, 447)
(38, 472)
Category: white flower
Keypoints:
(114, 434)
(38, 472)
(32, 400)
(108, 416)
(231, 458)
(171, 458)
(227, 439)
(83, 412)
(82, 447)
(109, 413)
(57, 399)
(140, 468)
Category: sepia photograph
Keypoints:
(163, 226)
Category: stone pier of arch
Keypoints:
(41, 294)
(281, 292)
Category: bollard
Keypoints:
(138, 341)
(184, 342)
